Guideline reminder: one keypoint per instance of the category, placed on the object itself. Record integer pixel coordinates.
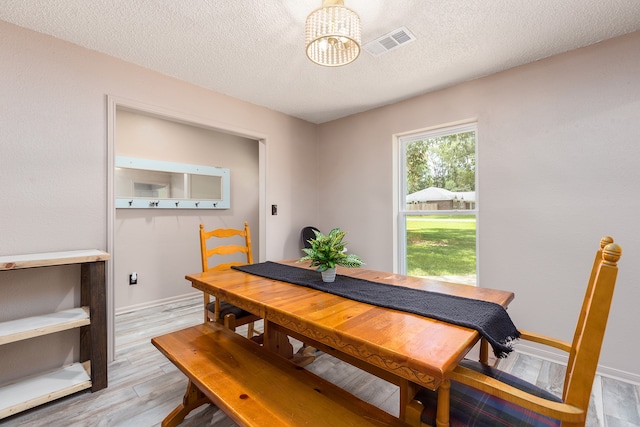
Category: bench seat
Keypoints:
(255, 387)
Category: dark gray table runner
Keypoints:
(489, 319)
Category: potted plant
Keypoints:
(328, 251)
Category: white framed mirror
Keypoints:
(154, 184)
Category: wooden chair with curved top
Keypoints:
(480, 395)
(221, 311)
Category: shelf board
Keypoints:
(29, 327)
(31, 392)
(15, 262)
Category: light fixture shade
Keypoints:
(332, 35)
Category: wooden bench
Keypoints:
(255, 387)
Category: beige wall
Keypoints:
(557, 169)
(53, 160)
(160, 245)
(558, 138)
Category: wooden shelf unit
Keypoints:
(91, 370)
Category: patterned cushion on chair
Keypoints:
(472, 407)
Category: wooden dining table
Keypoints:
(408, 350)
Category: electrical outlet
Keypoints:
(133, 279)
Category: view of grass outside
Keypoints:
(439, 206)
(441, 245)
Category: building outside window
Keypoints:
(437, 212)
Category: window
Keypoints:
(437, 210)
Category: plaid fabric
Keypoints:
(472, 407)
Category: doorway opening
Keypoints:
(157, 243)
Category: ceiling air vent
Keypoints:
(390, 41)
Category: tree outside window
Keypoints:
(439, 209)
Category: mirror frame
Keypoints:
(174, 203)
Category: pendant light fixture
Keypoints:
(332, 36)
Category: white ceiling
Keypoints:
(254, 49)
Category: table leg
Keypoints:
(304, 356)
(276, 340)
(442, 414)
(408, 391)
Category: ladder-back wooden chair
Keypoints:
(480, 395)
(221, 311)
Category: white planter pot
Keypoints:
(329, 275)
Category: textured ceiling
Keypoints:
(253, 49)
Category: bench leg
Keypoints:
(192, 399)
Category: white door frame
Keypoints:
(114, 102)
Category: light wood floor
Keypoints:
(144, 387)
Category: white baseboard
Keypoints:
(604, 371)
(155, 303)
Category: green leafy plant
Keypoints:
(327, 251)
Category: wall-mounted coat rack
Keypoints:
(154, 184)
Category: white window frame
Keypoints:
(400, 211)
